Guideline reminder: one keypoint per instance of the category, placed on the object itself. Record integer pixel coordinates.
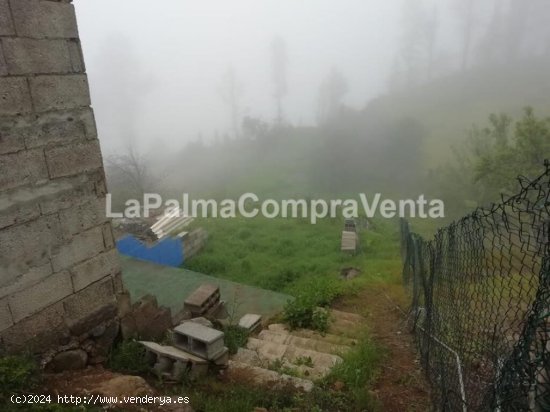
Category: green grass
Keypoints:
(128, 357)
(303, 260)
(280, 254)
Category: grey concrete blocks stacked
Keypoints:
(59, 271)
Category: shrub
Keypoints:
(235, 338)
(17, 374)
(306, 310)
(129, 357)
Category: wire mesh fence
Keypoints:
(480, 309)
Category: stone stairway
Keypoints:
(281, 357)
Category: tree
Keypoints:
(279, 60)
(416, 57)
(331, 92)
(466, 15)
(255, 128)
(231, 90)
(494, 156)
(129, 172)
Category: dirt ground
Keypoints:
(401, 386)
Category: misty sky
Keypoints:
(155, 67)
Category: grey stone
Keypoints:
(123, 386)
(105, 342)
(128, 328)
(69, 360)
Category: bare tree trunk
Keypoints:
(468, 28)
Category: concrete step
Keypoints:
(286, 338)
(262, 376)
(270, 352)
(310, 334)
(252, 358)
(349, 325)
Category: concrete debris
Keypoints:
(203, 299)
(202, 321)
(264, 377)
(349, 242)
(171, 221)
(349, 273)
(250, 322)
(196, 345)
(199, 340)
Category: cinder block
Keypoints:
(108, 237)
(22, 168)
(84, 324)
(89, 300)
(29, 245)
(9, 141)
(45, 129)
(68, 192)
(57, 92)
(37, 333)
(19, 283)
(74, 159)
(15, 97)
(77, 60)
(80, 248)
(118, 283)
(95, 269)
(44, 19)
(6, 24)
(3, 64)
(52, 289)
(20, 213)
(32, 56)
(6, 319)
(85, 216)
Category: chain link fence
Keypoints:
(481, 304)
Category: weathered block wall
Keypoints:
(59, 271)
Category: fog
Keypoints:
(312, 97)
(157, 66)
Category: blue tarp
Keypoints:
(168, 251)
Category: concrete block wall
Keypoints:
(194, 242)
(59, 270)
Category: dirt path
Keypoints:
(401, 386)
